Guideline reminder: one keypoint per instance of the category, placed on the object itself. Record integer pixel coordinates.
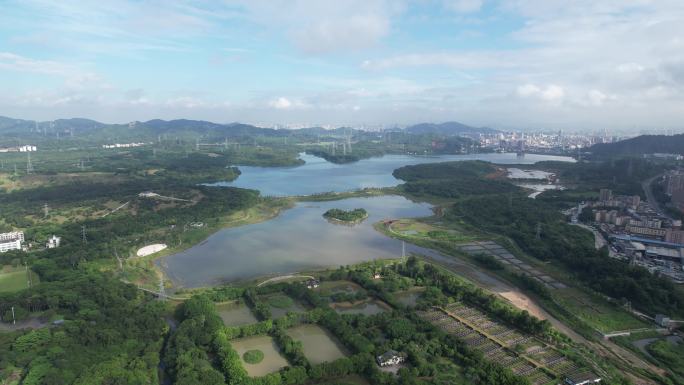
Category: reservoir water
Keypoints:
(318, 175)
(300, 238)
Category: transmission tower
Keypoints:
(28, 275)
(538, 231)
(45, 210)
(162, 294)
(403, 249)
(83, 234)
(29, 166)
(116, 254)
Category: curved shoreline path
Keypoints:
(283, 278)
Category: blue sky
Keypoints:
(524, 64)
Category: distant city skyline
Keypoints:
(507, 64)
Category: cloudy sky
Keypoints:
(528, 64)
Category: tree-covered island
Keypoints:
(350, 216)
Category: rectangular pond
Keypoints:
(272, 361)
(235, 313)
(280, 305)
(319, 345)
(409, 297)
(369, 307)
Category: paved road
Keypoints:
(650, 198)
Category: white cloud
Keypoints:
(325, 26)
(283, 103)
(551, 93)
(464, 6)
(528, 90)
(14, 62)
(597, 97)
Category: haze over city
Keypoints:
(519, 64)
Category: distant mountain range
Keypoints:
(645, 144)
(448, 129)
(10, 125)
(160, 127)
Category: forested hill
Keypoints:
(645, 144)
(152, 127)
(448, 128)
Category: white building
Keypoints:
(24, 148)
(390, 358)
(27, 148)
(11, 241)
(123, 145)
(53, 242)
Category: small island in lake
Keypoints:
(347, 217)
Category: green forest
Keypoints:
(352, 216)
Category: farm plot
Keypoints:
(523, 354)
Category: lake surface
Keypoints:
(298, 239)
(318, 175)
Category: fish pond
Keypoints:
(235, 313)
(367, 307)
(319, 345)
(280, 305)
(272, 359)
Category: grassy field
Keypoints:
(597, 312)
(413, 228)
(14, 279)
